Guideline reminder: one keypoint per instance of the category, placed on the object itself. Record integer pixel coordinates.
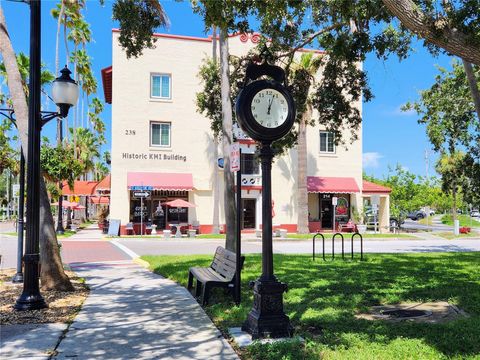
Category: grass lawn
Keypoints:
(450, 235)
(323, 298)
(465, 220)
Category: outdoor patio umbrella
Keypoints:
(178, 203)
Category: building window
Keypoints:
(160, 134)
(250, 165)
(327, 144)
(160, 86)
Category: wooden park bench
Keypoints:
(221, 273)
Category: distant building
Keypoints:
(160, 142)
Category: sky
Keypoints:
(390, 136)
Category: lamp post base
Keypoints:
(267, 319)
(17, 278)
(30, 302)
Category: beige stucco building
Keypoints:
(161, 144)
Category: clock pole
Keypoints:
(267, 319)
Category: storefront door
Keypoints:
(248, 218)
(326, 211)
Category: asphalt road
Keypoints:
(184, 247)
(8, 250)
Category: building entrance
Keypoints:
(248, 216)
(326, 211)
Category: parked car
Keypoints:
(395, 222)
(416, 215)
(475, 213)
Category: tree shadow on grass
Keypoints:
(324, 296)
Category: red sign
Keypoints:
(235, 157)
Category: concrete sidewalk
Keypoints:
(132, 313)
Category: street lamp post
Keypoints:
(65, 94)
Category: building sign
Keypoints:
(235, 157)
(141, 194)
(135, 188)
(16, 190)
(154, 156)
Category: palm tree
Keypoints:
(304, 71)
(87, 148)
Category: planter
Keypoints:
(362, 228)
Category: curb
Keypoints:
(135, 257)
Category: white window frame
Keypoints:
(329, 134)
(169, 134)
(169, 89)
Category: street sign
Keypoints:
(141, 194)
(220, 162)
(16, 190)
(334, 201)
(148, 188)
(235, 157)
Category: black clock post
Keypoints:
(266, 318)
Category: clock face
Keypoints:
(269, 108)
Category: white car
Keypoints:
(475, 214)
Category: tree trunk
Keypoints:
(472, 82)
(449, 39)
(302, 221)
(52, 275)
(454, 202)
(49, 258)
(216, 179)
(227, 136)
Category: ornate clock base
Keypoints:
(267, 319)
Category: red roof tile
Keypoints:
(319, 184)
(80, 188)
(370, 187)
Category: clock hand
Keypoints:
(269, 105)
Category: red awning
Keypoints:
(100, 200)
(372, 188)
(80, 188)
(104, 185)
(161, 181)
(345, 185)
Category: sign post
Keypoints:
(375, 200)
(235, 166)
(141, 194)
(334, 203)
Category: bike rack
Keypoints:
(323, 241)
(361, 245)
(333, 245)
(343, 245)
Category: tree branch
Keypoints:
(443, 36)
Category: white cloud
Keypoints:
(371, 159)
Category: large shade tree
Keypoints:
(52, 274)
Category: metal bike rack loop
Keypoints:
(333, 247)
(323, 242)
(361, 244)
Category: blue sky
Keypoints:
(389, 135)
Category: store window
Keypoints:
(250, 165)
(160, 134)
(327, 143)
(160, 86)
